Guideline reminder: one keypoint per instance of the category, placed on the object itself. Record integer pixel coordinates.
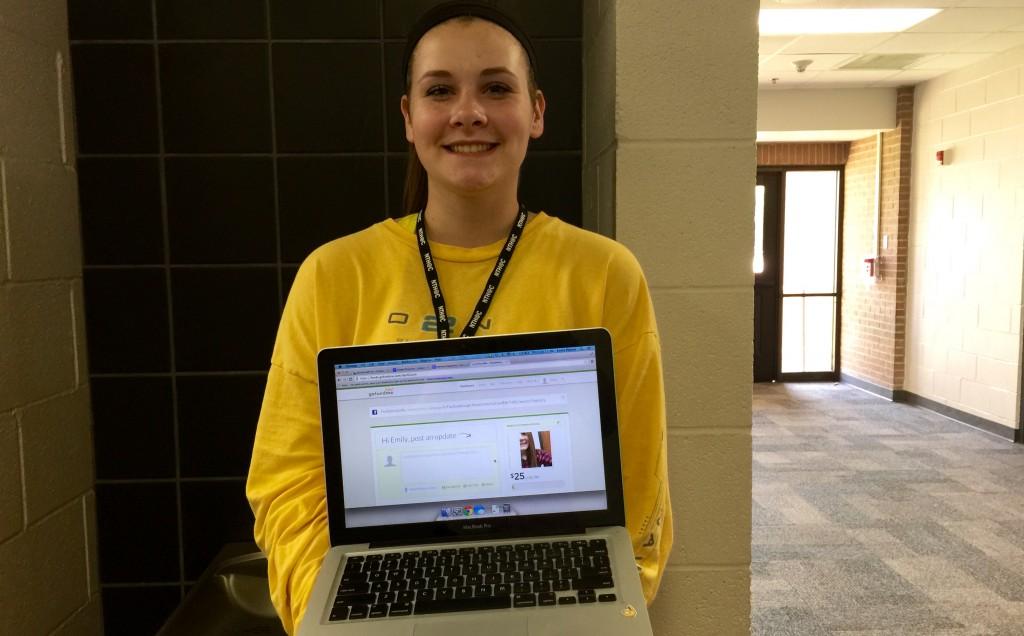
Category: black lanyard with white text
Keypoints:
(489, 289)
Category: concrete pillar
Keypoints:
(49, 574)
(669, 170)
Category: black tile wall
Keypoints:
(224, 318)
(231, 82)
(110, 19)
(115, 98)
(400, 15)
(210, 19)
(314, 19)
(217, 423)
(326, 197)
(552, 183)
(131, 611)
(133, 427)
(119, 199)
(394, 86)
(288, 273)
(137, 532)
(126, 320)
(213, 513)
(220, 141)
(397, 165)
(557, 60)
(327, 97)
(561, 19)
(216, 202)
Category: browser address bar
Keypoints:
(456, 373)
(453, 407)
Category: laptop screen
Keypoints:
(476, 436)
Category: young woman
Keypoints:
(470, 109)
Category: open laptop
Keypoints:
(474, 484)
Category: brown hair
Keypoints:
(529, 456)
(414, 195)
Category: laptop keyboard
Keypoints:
(554, 573)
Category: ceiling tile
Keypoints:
(990, 3)
(769, 44)
(839, 43)
(965, 32)
(970, 20)
(950, 61)
(994, 43)
(824, 84)
(925, 42)
(909, 78)
(872, 4)
(818, 62)
(786, 79)
(855, 77)
(903, 4)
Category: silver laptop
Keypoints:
(474, 487)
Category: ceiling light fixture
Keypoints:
(808, 21)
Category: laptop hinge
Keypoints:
(457, 538)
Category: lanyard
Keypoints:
(489, 289)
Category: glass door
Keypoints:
(810, 280)
(766, 275)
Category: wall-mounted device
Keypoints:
(870, 263)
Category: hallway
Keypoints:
(871, 517)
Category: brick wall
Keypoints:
(874, 310)
(48, 566)
(802, 154)
(898, 148)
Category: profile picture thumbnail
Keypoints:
(535, 450)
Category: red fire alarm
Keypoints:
(869, 267)
(940, 157)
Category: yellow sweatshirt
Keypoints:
(369, 287)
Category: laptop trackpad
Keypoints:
(492, 626)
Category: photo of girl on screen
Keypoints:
(530, 454)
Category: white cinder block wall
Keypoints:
(49, 579)
(669, 155)
(966, 239)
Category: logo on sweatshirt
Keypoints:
(429, 323)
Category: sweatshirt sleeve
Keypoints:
(285, 487)
(641, 402)
(640, 393)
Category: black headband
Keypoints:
(447, 11)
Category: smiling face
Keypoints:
(469, 109)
